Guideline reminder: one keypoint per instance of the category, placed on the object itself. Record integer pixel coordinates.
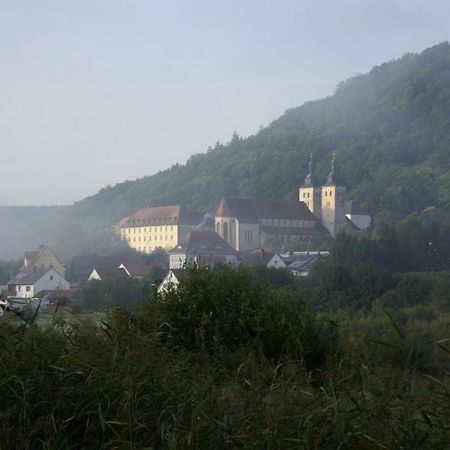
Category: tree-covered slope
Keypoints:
(390, 129)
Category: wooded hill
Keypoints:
(390, 129)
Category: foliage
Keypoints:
(389, 128)
(222, 310)
(130, 381)
(99, 295)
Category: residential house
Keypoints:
(140, 270)
(298, 263)
(27, 283)
(43, 258)
(171, 280)
(204, 248)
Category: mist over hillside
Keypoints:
(389, 128)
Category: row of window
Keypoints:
(155, 221)
(248, 236)
(144, 230)
(27, 288)
(161, 238)
(292, 223)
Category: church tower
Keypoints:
(333, 203)
(310, 193)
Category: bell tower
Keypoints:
(333, 203)
(310, 192)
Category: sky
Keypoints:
(95, 92)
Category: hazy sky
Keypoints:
(95, 92)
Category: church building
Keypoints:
(329, 204)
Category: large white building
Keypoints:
(158, 227)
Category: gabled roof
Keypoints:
(204, 242)
(179, 274)
(249, 211)
(162, 215)
(140, 269)
(111, 273)
(29, 276)
(33, 256)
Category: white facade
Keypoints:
(177, 260)
(50, 281)
(170, 280)
(276, 262)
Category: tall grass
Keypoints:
(132, 383)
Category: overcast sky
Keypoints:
(96, 92)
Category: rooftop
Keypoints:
(249, 210)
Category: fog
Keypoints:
(96, 92)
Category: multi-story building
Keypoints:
(247, 224)
(159, 227)
(329, 204)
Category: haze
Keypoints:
(96, 92)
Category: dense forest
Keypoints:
(389, 128)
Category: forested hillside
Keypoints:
(390, 129)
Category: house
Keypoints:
(202, 247)
(159, 227)
(113, 273)
(29, 282)
(247, 224)
(172, 279)
(82, 267)
(276, 262)
(43, 257)
(140, 270)
(298, 263)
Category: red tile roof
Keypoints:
(162, 215)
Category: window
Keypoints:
(225, 231)
(28, 288)
(51, 277)
(19, 288)
(328, 203)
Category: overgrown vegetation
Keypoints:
(225, 362)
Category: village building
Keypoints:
(31, 281)
(43, 258)
(140, 270)
(298, 263)
(159, 227)
(202, 247)
(247, 224)
(171, 280)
